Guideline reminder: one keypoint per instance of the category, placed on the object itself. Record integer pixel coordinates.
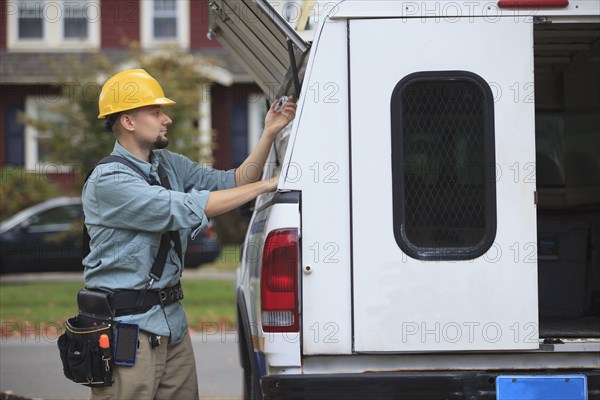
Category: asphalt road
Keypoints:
(30, 367)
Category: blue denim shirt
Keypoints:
(126, 217)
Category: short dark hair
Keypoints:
(110, 121)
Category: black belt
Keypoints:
(126, 302)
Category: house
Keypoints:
(35, 34)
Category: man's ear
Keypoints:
(127, 122)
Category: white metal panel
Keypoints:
(401, 304)
(282, 349)
(256, 35)
(317, 164)
(451, 10)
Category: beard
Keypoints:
(161, 143)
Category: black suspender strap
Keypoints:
(174, 234)
(113, 158)
(161, 258)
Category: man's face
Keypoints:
(151, 126)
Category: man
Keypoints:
(126, 218)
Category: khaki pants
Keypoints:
(165, 372)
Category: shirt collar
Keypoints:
(148, 168)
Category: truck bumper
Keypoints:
(469, 385)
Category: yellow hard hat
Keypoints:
(130, 89)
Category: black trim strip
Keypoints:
(281, 198)
(294, 67)
(350, 199)
(449, 385)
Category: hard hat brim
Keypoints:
(161, 101)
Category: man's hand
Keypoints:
(272, 184)
(221, 201)
(252, 168)
(276, 121)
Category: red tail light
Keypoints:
(279, 282)
(532, 3)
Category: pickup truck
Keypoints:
(436, 229)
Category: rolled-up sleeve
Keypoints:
(197, 181)
(197, 203)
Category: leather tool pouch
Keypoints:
(85, 354)
(94, 304)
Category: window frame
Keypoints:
(148, 41)
(163, 14)
(63, 27)
(398, 163)
(53, 16)
(20, 5)
(34, 106)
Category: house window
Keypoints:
(75, 24)
(31, 20)
(247, 123)
(58, 24)
(165, 21)
(443, 165)
(37, 152)
(239, 132)
(14, 141)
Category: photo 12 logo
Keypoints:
(468, 332)
(26, 332)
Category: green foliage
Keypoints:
(20, 189)
(80, 138)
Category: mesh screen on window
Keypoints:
(443, 165)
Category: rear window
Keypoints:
(443, 165)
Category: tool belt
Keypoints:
(101, 305)
(84, 359)
(127, 302)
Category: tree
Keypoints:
(79, 137)
(20, 189)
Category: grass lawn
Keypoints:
(209, 304)
(34, 307)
